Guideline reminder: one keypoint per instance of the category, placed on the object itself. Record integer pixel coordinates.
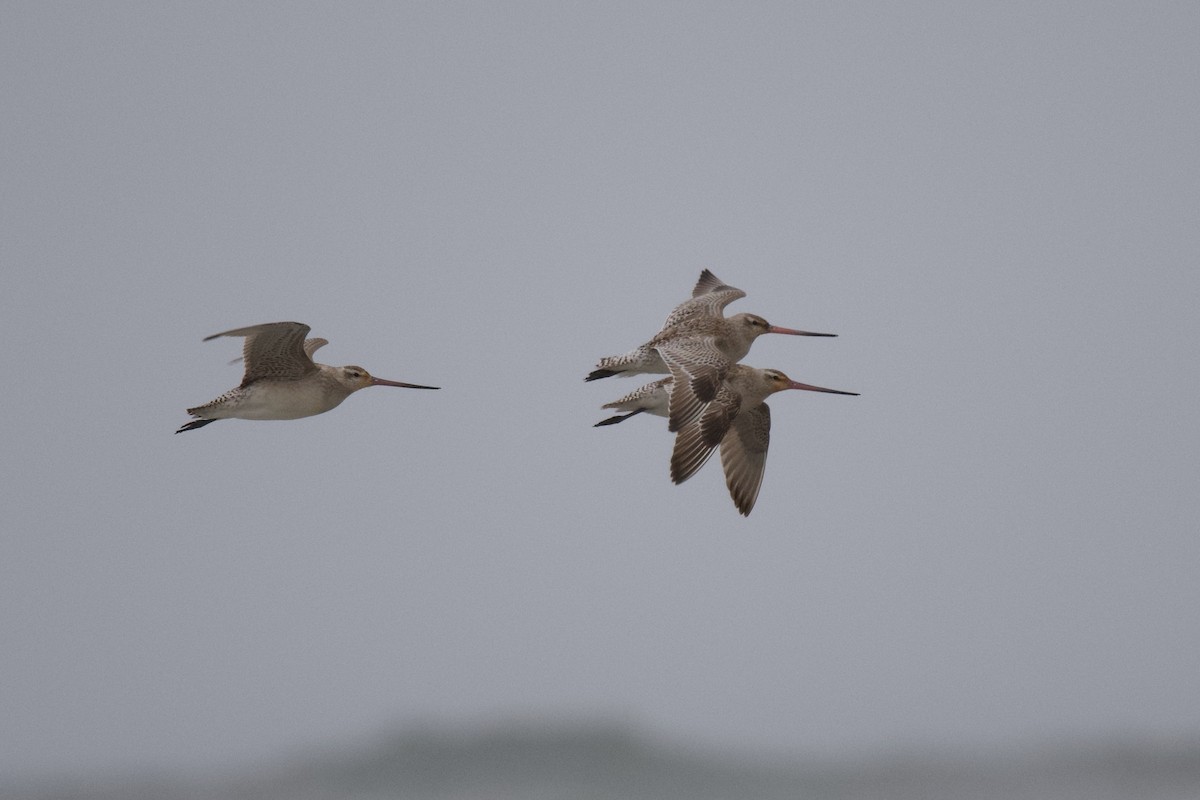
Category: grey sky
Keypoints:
(995, 205)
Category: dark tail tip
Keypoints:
(196, 423)
(617, 418)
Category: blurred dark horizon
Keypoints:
(605, 758)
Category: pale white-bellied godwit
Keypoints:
(281, 380)
(737, 420)
(696, 330)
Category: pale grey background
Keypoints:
(995, 205)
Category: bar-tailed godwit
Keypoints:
(737, 419)
(281, 380)
(700, 340)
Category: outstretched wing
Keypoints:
(744, 455)
(313, 345)
(709, 299)
(274, 350)
(310, 346)
(698, 369)
(697, 440)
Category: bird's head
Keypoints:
(754, 326)
(354, 378)
(776, 381)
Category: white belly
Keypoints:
(276, 400)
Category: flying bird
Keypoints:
(281, 380)
(699, 340)
(737, 420)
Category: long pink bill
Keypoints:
(808, 388)
(791, 332)
(382, 382)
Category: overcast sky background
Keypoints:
(994, 205)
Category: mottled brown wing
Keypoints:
(709, 283)
(274, 350)
(698, 370)
(709, 299)
(744, 455)
(313, 345)
(310, 346)
(697, 440)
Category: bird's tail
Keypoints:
(196, 423)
